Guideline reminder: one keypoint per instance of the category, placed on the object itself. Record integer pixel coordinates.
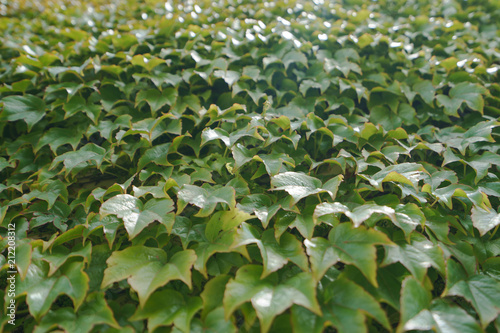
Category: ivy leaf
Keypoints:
(352, 246)
(274, 254)
(28, 107)
(42, 290)
(405, 173)
(230, 77)
(80, 158)
(213, 293)
(109, 224)
(223, 221)
(417, 255)
(269, 299)
(484, 220)
(220, 244)
(327, 208)
(56, 137)
(482, 163)
(274, 162)
(241, 155)
(464, 92)
(358, 215)
(157, 154)
(137, 216)
(77, 104)
(482, 292)
(59, 255)
(294, 57)
(93, 312)
(146, 269)
(214, 134)
(426, 90)
(308, 84)
(168, 307)
(215, 323)
(188, 232)
(443, 318)
(362, 213)
(156, 99)
(261, 205)
(408, 217)
(304, 320)
(50, 192)
(322, 256)
(414, 298)
(203, 199)
(349, 305)
(147, 63)
(300, 185)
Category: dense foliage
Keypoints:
(251, 166)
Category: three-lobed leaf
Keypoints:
(146, 269)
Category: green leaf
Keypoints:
(274, 162)
(80, 158)
(405, 173)
(42, 290)
(358, 215)
(275, 253)
(241, 155)
(146, 269)
(214, 134)
(109, 224)
(304, 320)
(322, 256)
(206, 248)
(157, 154)
(56, 137)
(408, 217)
(59, 255)
(417, 255)
(28, 107)
(464, 92)
(168, 307)
(203, 199)
(137, 216)
(356, 246)
(482, 292)
(414, 298)
(77, 104)
(147, 63)
(443, 318)
(216, 323)
(294, 57)
(213, 293)
(484, 220)
(188, 232)
(269, 299)
(223, 221)
(380, 114)
(300, 185)
(93, 312)
(261, 205)
(156, 99)
(348, 306)
(426, 90)
(230, 77)
(308, 84)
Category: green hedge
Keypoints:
(288, 166)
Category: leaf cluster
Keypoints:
(286, 166)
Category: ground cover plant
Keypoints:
(287, 166)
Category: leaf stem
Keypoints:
(494, 232)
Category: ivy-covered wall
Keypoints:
(248, 166)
